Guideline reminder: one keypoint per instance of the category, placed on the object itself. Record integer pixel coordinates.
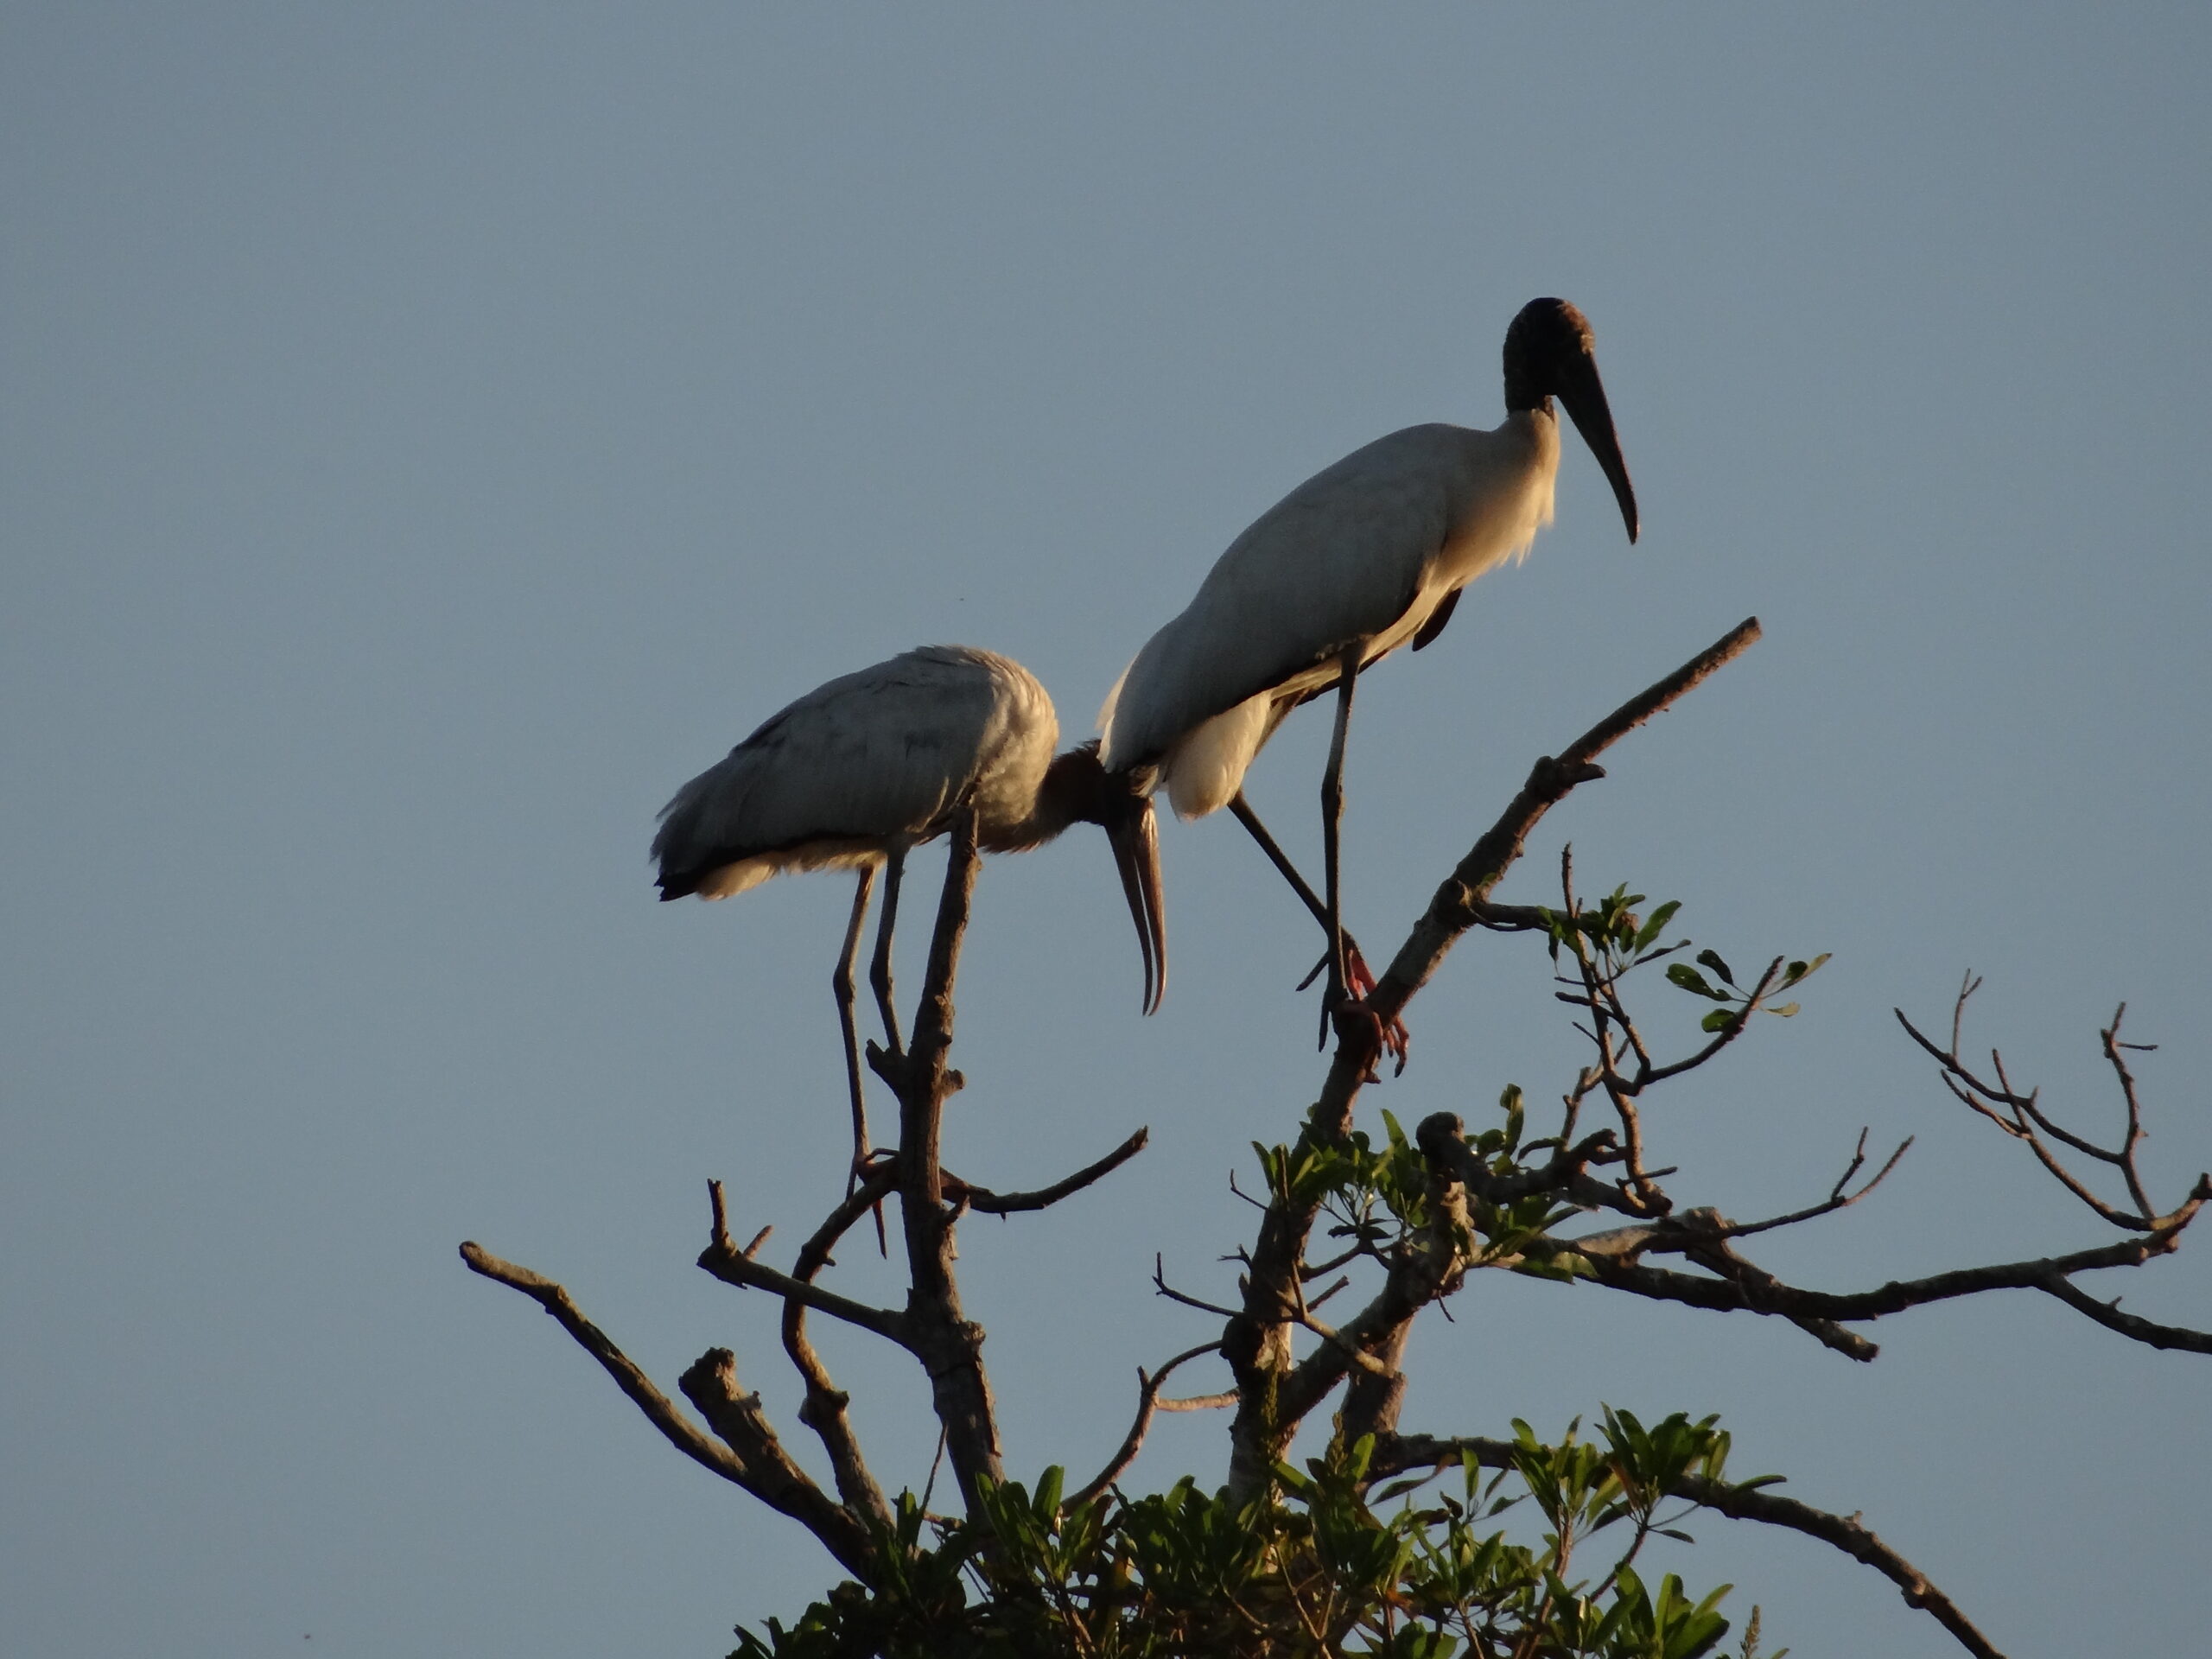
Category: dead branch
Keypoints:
(749, 1455)
(1742, 1502)
(2128, 1324)
(1838, 1199)
(734, 1267)
(2022, 1117)
(1740, 1286)
(948, 1344)
(985, 1202)
(1159, 1283)
(824, 1409)
(710, 1384)
(1147, 1403)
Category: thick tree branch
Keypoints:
(1256, 1341)
(1462, 901)
(1742, 1502)
(711, 1385)
(949, 1345)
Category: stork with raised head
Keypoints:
(863, 769)
(1367, 556)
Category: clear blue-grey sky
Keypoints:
(427, 434)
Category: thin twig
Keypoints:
(985, 1202)
(1147, 1403)
(1159, 1282)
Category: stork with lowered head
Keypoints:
(864, 768)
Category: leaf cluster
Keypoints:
(1311, 1567)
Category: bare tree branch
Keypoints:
(824, 1409)
(1453, 909)
(2128, 1324)
(985, 1202)
(710, 1384)
(734, 1267)
(1147, 1403)
(2022, 1117)
(1744, 1288)
(752, 1458)
(1199, 1401)
(1742, 1502)
(1159, 1283)
(949, 1345)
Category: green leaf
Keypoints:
(1712, 959)
(1681, 974)
(1798, 970)
(1656, 924)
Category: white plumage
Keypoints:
(1360, 559)
(1362, 553)
(860, 763)
(865, 767)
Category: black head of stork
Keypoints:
(1549, 354)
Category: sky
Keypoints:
(430, 433)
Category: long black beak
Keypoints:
(1135, 838)
(1584, 394)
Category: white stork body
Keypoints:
(1358, 560)
(1362, 554)
(868, 763)
(865, 767)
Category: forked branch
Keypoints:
(748, 1454)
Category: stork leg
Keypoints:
(1360, 980)
(1332, 812)
(879, 973)
(843, 983)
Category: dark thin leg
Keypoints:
(1354, 965)
(1360, 977)
(1280, 858)
(843, 983)
(1332, 812)
(879, 973)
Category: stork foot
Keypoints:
(1359, 982)
(1361, 1034)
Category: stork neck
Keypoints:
(1521, 394)
(1071, 792)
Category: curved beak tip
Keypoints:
(1136, 854)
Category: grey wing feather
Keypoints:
(878, 754)
(1336, 560)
